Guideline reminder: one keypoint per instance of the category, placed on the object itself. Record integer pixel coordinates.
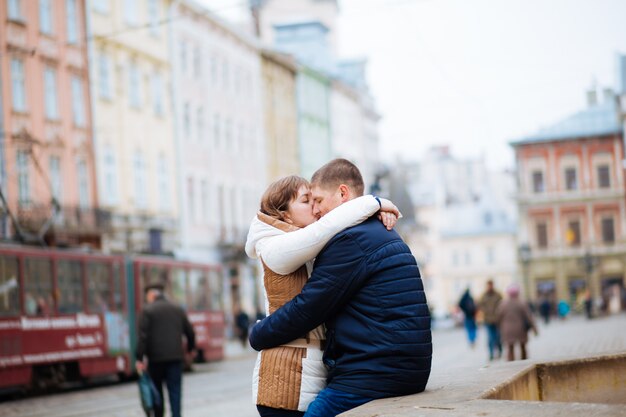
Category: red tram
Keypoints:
(68, 315)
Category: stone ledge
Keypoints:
(462, 392)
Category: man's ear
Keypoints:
(344, 192)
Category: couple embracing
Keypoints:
(348, 320)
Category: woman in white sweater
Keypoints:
(286, 237)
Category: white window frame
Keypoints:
(22, 163)
(18, 85)
(105, 88)
(153, 16)
(84, 197)
(14, 10)
(71, 7)
(164, 184)
(157, 93)
(51, 102)
(56, 177)
(139, 167)
(78, 102)
(110, 175)
(46, 17)
(134, 85)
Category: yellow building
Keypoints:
(134, 135)
(280, 114)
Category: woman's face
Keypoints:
(300, 211)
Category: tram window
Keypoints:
(118, 291)
(178, 288)
(152, 274)
(199, 290)
(9, 286)
(215, 286)
(70, 284)
(99, 287)
(38, 287)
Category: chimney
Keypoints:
(592, 97)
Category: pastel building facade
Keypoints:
(47, 160)
(220, 145)
(572, 205)
(280, 114)
(133, 124)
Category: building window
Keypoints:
(78, 102)
(538, 186)
(72, 21)
(110, 176)
(214, 68)
(604, 176)
(572, 235)
(191, 200)
(157, 93)
(83, 184)
(200, 123)
(134, 79)
(23, 178)
(15, 10)
(197, 62)
(228, 134)
(104, 76)
(50, 93)
(56, 178)
(216, 130)
(183, 57)
(130, 12)
(153, 16)
(571, 181)
(491, 255)
(608, 230)
(204, 200)
(46, 17)
(187, 120)
(18, 85)
(225, 75)
(164, 186)
(542, 234)
(141, 199)
(101, 6)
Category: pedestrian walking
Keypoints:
(545, 308)
(468, 307)
(242, 321)
(488, 304)
(515, 321)
(162, 326)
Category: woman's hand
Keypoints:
(389, 213)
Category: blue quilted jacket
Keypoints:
(367, 289)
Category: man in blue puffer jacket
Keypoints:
(366, 288)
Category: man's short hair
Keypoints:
(154, 286)
(336, 172)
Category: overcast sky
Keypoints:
(476, 74)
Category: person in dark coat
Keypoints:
(162, 326)
(468, 307)
(367, 288)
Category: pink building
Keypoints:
(47, 150)
(572, 207)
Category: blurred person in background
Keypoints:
(488, 304)
(515, 320)
(162, 325)
(286, 236)
(468, 307)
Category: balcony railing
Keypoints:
(565, 251)
(67, 219)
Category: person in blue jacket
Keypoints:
(366, 287)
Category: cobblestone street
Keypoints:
(223, 389)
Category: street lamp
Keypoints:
(589, 262)
(524, 256)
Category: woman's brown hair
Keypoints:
(276, 199)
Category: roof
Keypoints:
(598, 120)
